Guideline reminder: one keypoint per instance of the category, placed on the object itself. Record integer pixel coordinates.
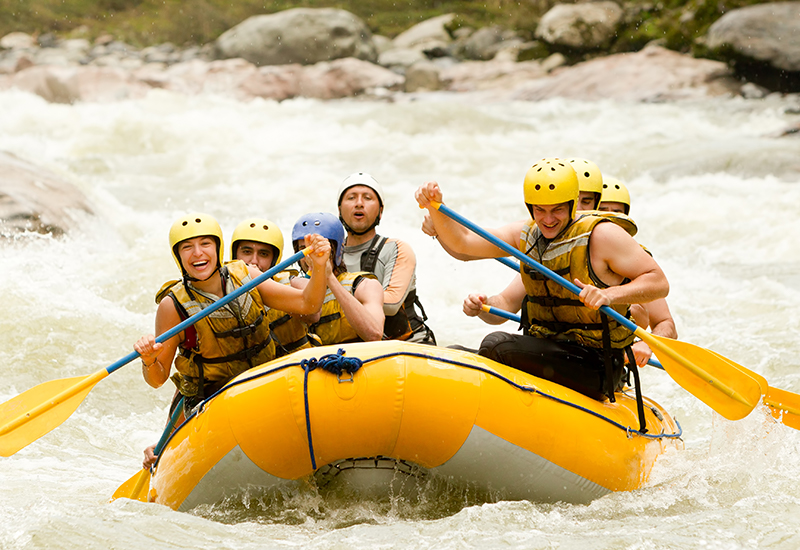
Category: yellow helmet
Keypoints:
(615, 191)
(551, 181)
(589, 177)
(261, 231)
(193, 225)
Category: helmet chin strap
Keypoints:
(187, 277)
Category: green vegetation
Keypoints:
(677, 23)
(150, 22)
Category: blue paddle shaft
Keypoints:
(508, 262)
(550, 274)
(513, 317)
(504, 314)
(212, 308)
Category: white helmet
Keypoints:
(360, 178)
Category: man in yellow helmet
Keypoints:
(615, 197)
(259, 243)
(566, 339)
(590, 183)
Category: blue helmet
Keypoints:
(324, 224)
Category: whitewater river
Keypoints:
(716, 198)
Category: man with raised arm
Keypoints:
(565, 338)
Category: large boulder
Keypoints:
(653, 74)
(35, 199)
(762, 32)
(301, 35)
(580, 26)
(494, 75)
(345, 78)
(244, 81)
(428, 34)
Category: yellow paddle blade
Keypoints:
(136, 488)
(33, 413)
(706, 375)
(785, 406)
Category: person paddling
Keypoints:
(259, 243)
(233, 339)
(565, 340)
(352, 310)
(391, 260)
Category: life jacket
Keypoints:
(227, 342)
(406, 321)
(290, 333)
(550, 310)
(333, 326)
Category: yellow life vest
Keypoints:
(550, 310)
(231, 340)
(290, 333)
(333, 327)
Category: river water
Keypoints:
(715, 197)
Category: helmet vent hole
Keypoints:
(616, 187)
(538, 187)
(552, 168)
(265, 227)
(316, 222)
(586, 175)
(605, 186)
(197, 220)
(252, 225)
(185, 223)
(552, 187)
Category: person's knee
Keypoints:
(491, 345)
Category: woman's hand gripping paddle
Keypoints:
(707, 376)
(36, 412)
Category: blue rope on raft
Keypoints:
(337, 363)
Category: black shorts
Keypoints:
(569, 364)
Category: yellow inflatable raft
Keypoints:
(407, 410)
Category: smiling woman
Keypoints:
(237, 337)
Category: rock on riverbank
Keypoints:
(329, 54)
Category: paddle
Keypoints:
(41, 409)
(783, 405)
(137, 487)
(724, 388)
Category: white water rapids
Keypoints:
(714, 195)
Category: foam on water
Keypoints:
(714, 195)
